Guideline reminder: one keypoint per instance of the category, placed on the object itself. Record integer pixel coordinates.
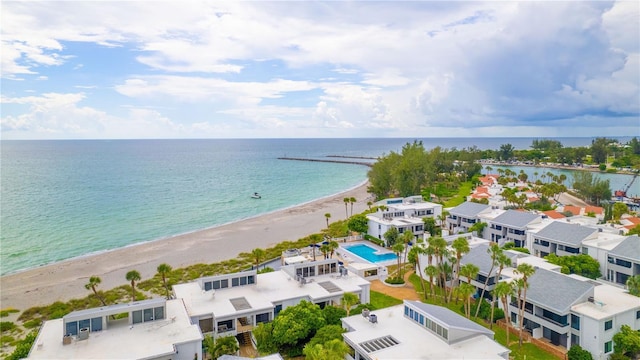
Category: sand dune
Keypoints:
(65, 280)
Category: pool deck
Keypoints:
(348, 256)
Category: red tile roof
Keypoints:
(553, 214)
(572, 209)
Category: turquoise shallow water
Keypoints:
(63, 199)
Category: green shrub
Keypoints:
(6, 326)
(32, 323)
(578, 353)
(6, 339)
(394, 280)
(6, 312)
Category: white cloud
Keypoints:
(377, 67)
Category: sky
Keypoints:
(319, 69)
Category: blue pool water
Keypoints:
(368, 253)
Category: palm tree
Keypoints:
(466, 290)
(461, 247)
(349, 300)
(470, 271)
(503, 291)
(327, 216)
(526, 270)
(414, 257)
(633, 285)
(352, 200)
(439, 248)
(133, 276)
(432, 272)
(164, 269)
(488, 168)
(258, 254)
(346, 210)
(398, 248)
(369, 203)
(325, 249)
(503, 261)
(94, 281)
(495, 251)
(407, 237)
(333, 246)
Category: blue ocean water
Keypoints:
(68, 198)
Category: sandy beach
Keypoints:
(65, 280)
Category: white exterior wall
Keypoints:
(593, 336)
(188, 351)
(600, 255)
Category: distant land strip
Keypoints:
(353, 157)
(328, 161)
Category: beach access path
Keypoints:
(65, 280)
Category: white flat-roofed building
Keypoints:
(416, 330)
(405, 214)
(153, 329)
(228, 305)
(594, 322)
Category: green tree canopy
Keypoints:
(582, 264)
(358, 223)
(297, 323)
(578, 353)
(391, 236)
(627, 342)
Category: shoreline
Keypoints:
(556, 166)
(186, 233)
(64, 280)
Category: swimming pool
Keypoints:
(368, 253)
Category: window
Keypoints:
(251, 279)
(262, 318)
(137, 316)
(96, 324)
(277, 309)
(72, 328)
(235, 282)
(575, 322)
(421, 319)
(82, 324)
(445, 334)
(623, 263)
(585, 250)
(158, 313)
(638, 314)
(406, 310)
(608, 325)
(608, 346)
(148, 315)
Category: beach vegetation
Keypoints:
(32, 323)
(163, 270)
(266, 269)
(7, 340)
(327, 216)
(358, 223)
(7, 311)
(7, 326)
(23, 346)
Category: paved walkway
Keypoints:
(406, 292)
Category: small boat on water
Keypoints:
(256, 196)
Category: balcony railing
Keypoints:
(552, 321)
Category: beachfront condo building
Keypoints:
(234, 304)
(404, 214)
(155, 329)
(464, 216)
(415, 330)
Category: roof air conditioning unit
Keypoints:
(83, 334)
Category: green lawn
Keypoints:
(463, 192)
(380, 300)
